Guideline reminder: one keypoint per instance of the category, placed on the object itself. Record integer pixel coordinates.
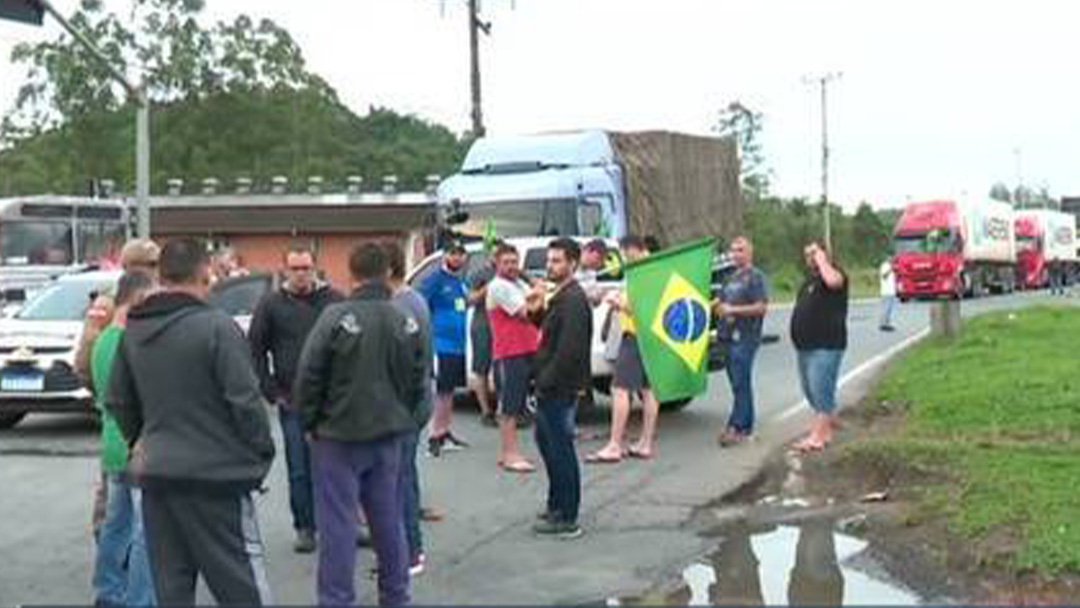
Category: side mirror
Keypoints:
(14, 294)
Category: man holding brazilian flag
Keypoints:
(670, 292)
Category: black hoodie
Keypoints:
(183, 388)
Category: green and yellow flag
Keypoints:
(669, 293)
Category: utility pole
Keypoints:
(142, 120)
(823, 81)
(475, 27)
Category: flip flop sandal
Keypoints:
(640, 454)
(598, 458)
(521, 466)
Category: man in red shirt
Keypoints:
(514, 342)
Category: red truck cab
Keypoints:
(1030, 253)
(929, 246)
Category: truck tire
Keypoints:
(676, 405)
(10, 419)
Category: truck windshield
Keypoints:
(32, 242)
(1027, 243)
(931, 242)
(550, 217)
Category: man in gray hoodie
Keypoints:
(187, 400)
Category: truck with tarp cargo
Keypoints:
(673, 186)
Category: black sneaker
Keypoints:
(435, 446)
(453, 444)
(558, 529)
(489, 420)
(305, 541)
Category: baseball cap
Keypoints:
(139, 252)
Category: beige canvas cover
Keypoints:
(680, 187)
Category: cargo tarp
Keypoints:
(680, 187)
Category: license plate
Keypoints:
(22, 383)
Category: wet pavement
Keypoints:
(780, 544)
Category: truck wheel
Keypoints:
(10, 419)
(676, 405)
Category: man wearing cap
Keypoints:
(447, 297)
(137, 255)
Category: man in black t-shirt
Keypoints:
(819, 332)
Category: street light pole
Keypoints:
(142, 120)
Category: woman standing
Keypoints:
(819, 332)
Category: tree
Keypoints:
(745, 126)
(1001, 192)
(232, 99)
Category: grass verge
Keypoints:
(995, 416)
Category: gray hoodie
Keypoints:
(186, 396)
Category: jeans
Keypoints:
(121, 567)
(368, 472)
(555, 431)
(819, 370)
(410, 494)
(888, 305)
(740, 373)
(298, 463)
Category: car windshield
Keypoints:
(61, 301)
(554, 217)
(33, 242)
(931, 242)
(1027, 243)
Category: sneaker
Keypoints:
(558, 529)
(305, 541)
(450, 443)
(416, 568)
(546, 515)
(435, 446)
(489, 420)
(363, 538)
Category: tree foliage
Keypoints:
(746, 125)
(230, 99)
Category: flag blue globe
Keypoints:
(685, 320)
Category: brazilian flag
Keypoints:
(669, 293)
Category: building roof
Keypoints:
(290, 213)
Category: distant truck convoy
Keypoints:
(948, 248)
(672, 186)
(1045, 245)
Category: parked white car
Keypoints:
(38, 341)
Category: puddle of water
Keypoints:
(809, 564)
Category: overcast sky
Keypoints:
(936, 98)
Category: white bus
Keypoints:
(42, 237)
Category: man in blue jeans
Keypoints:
(278, 329)
(561, 372)
(740, 311)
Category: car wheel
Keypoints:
(676, 405)
(10, 419)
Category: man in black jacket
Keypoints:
(278, 329)
(361, 378)
(562, 372)
(187, 399)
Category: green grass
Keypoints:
(998, 414)
(784, 283)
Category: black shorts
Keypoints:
(513, 378)
(629, 367)
(480, 337)
(449, 373)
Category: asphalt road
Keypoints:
(637, 515)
